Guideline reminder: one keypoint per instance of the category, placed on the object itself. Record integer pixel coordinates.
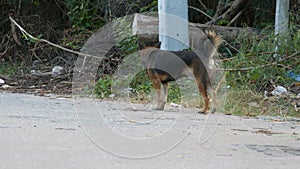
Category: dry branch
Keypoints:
(262, 66)
(29, 36)
(232, 13)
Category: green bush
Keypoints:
(257, 63)
(103, 87)
(83, 15)
(8, 68)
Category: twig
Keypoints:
(227, 59)
(215, 19)
(26, 35)
(61, 58)
(230, 45)
(203, 5)
(19, 7)
(5, 46)
(221, 16)
(260, 53)
(219, 84)
(34, 53)
(14, 34)
(196, 9)
(258, 67)
(238, 15)
(265, 53)
(109, 11)
(220, 8)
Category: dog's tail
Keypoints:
(215, 39)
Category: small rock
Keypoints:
(254, 104)
(112, 95)
(126, 91)
(57, 70)
(52, 96)
(2, 81)
(175, 105)
(35, 72)
(6, 86)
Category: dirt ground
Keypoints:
(40, 85)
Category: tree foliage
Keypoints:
(70, 22)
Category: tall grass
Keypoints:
(260, 63)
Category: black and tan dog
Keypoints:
(165, 66)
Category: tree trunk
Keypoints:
(146, 27)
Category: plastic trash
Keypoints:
(279, 90)
(293, 75)
(57, 70)
(2, 81)
(175, 105)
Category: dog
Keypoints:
(165, 66)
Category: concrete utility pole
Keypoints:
(173, 24)
(282, 17)
(281, 20)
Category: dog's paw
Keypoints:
(202, 112)
(158, 108)
(213, 110)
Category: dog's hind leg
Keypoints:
(160, 103)
(203, 90)
(214, 104)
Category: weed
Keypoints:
(103, 87)
(262, 61)
(8, 68)
(153, 7)
(264, 65)
(249, 103)
(83, 14)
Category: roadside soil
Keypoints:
(40, 85)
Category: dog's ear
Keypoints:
(157, 45)
(141, 45)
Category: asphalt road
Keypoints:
(64, 133)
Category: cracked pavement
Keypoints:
(57, 132)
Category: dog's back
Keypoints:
(174, 63)
(208, 52)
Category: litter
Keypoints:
(279, 90)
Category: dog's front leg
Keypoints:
(165, 91)
(160, 104)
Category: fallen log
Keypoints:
(146, 27)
